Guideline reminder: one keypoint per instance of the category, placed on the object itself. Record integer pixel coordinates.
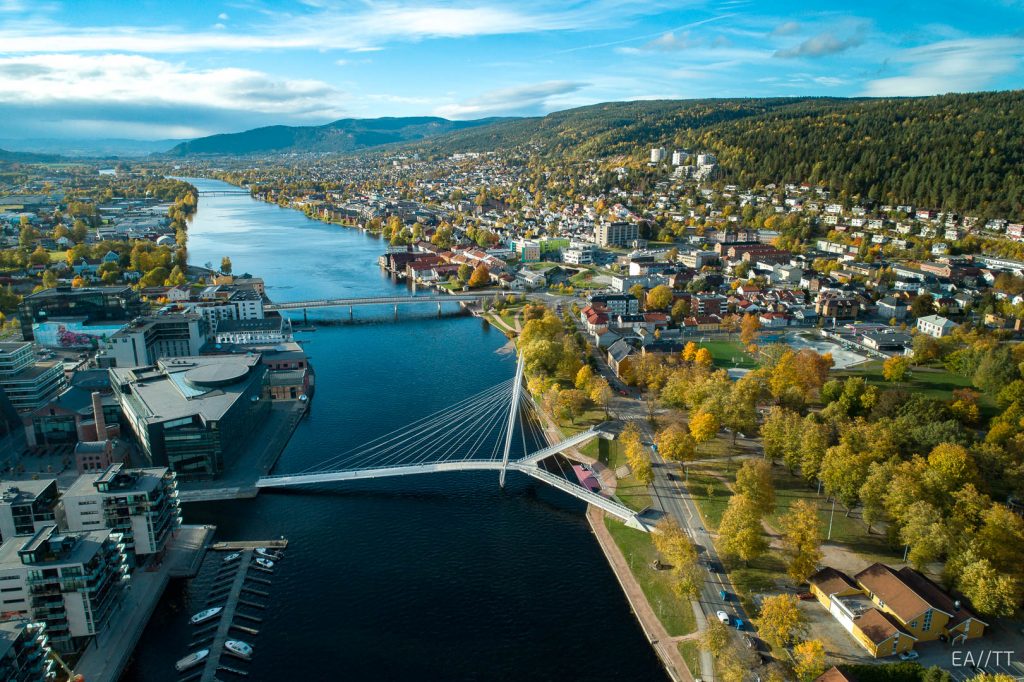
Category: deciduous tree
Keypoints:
(660, 297)
(749, 328)
(801, 540)
(740, 531)
(703, 426)
(584, 377)
(703, 358)
(481, 277)
(895, 368)
(809, 659)
(676, 444)
(780, 622)
(754, 480)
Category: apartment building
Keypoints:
(27, 506)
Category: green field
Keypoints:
(58, 256)
(676, 614)
(933, 382)
(728, 354)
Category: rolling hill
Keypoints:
(344, 135)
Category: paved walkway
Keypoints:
(664, 645)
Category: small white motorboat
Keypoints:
(192, 660)
(234, 556)
(267, 554)
(237, 647)
(208, 614)
(265, 563)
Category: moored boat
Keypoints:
(265, 563)
(234, 556)
(206, 615)
(193, 659)
(238, 648)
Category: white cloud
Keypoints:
(223, 16)
(522, 100)
(950, 66)
(115, 90)
(331, 26)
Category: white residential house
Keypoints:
(934, 325)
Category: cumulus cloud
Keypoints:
(950, 66)
(822, 45)
(523, 100)
(672, 41)
(113, 88)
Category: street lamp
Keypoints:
(830, 517)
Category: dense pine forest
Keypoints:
(956, 152)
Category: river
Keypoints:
(433, 577)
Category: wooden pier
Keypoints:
(249, 544)
(229, 583)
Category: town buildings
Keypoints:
(28, 383)
(27, 506)
(73, 582)
(140, 504)
(192, 414)
(88, 304)
(25, 652)
(616, 233)
(888, 611)
(146, 339)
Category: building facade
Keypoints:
(616, 234)
(140, 504)
(147, 339)
(27, 383)
(95, 304)
(73, 582)
(25, 652)
(27, 506)
(192, 414)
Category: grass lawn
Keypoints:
(675, 614)
(58, 256)
(584, 280)
(934, 382)
(729, 354)
(699, 478)
(848, 531)
(690, 651)
(630, 491)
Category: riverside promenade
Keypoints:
(108, 654)
(239, 479)
(664, 644)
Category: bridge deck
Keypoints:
(374, 300)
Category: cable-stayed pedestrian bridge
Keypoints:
(475, 434)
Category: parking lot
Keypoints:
(840, 646)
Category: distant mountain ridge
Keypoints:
(343, 135)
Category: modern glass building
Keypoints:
(94, 304)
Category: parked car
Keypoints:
(806, 596)
(910, 656)
(723, 616)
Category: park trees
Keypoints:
(570, 404)
(781, 435)
(895, 368)
(676, 444)
(703, 426)
(702, 358)
(801, 540)
(754, 481)
(584, 377)
(464, 273)
(690, 351)
(780, 622)
(740, 531)
(715, 638)
(674, 545)
(601, 393)
(225, 265)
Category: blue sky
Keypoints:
(146, 69)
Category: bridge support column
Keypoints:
(396, 312)
(350, 313)
(305, 317)
(517, 388)
(439, 309)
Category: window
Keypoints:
(927, 621)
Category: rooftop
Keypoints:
(121, 481)
(21, 492)
(85, 547)
(183, 387)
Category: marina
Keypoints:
(220, 627)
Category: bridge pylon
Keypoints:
(517, 391)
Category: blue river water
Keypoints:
(439, 577)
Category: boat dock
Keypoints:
(240, 588)
(276, 545)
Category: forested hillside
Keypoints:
(959, 152)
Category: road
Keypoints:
(671, 497)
